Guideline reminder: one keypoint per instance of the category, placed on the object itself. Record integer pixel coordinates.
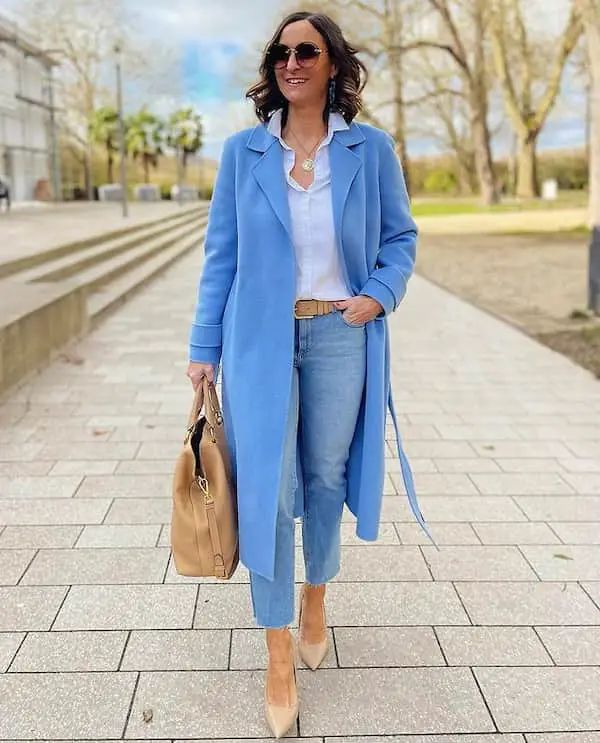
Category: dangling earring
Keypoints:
(331, 92)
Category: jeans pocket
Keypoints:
(340, 314)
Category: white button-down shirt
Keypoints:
(319, 272)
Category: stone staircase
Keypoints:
(49, 298)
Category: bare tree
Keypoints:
(522, 65)
(464, 30)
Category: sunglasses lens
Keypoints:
(306, 53)
(278, 55)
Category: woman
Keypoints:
(309, 246)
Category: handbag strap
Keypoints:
(206, 397)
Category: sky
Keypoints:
(214, 47)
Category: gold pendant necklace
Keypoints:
(308, 164)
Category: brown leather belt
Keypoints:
(304, 309)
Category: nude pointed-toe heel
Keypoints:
(281, 694)
(312, 643)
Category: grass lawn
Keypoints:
(422, 207)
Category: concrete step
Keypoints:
(96, 276)
(112, 295)
(73, 263)
(13, 265)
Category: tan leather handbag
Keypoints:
(204, 526)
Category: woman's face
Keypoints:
(304, 84)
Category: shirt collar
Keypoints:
(337, 123)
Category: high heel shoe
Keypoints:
(312, 631)
(281, 694)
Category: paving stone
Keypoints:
(112, 421)
(39, 487)
(387, 536)
(584, 483)
(20, 453)
(51, 511)
(527, 604)
(572, 646)
(560, 508)
(492, 646)
(126, 486)
(444, 534)
(88, 450)
(534, 466)
(563, 738)
(146, 467)
(65, 705)
(527, 533)
(380, 563)
(249, 652)
(177, 650)
(13, 564)
(542, 699)
(26, 608)
(522, 449)
(439, 484)
(395, 647)
(24, 469)
(480, 738)
(384, 702)
(185, 703)
(160, 449)
(467, 466)
(580, 465)
(143, 433)
(572, 533)
(52, 652)
(565, 562)
(360, 605)
(480, 432)
(127, 607)
(39, 537)
(521, 484)
(225, 605)
(458, 508)
(84, 566)
(439, 449)
(471, 563)
(139, 511)
(9, 644)
(118, 535)
(84, 467)
(593, 589)
(70, 436)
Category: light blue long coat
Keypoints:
(245, 315)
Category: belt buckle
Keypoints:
(301, 317)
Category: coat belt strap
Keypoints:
(407, 475)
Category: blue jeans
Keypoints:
(327, 388)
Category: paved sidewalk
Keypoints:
(494, 639)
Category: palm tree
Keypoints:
(145, 139)
(104, 130)
(185, 134)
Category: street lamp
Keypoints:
(122, 169)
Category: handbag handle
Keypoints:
(206, 396)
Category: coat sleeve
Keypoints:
(220, 248)
(397, 252)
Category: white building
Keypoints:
(28, 151)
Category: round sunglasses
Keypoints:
(306, 53)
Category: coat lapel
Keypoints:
(268, 171)
(269, 174)
(345, 164)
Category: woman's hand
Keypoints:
(196, 371)
(359, 310)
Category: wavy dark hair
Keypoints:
(351, 76)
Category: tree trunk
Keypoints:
(527, 182)
(484, 163)
(146, 170)
(110, 167)
(591, 23)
